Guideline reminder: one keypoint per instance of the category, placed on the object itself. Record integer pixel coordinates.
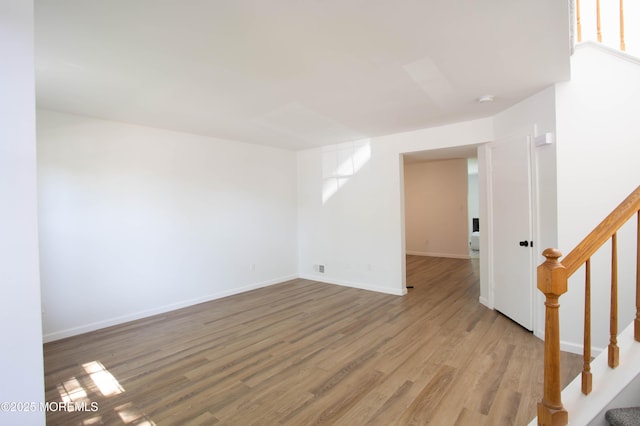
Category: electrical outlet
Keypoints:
(321, 269)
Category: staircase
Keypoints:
(623, 416)
(552, 281)
(608, 390)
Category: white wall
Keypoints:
(598, 166)
(358, 233)
(21, 369)
(436, 209)
(136, 220)
(534, 115)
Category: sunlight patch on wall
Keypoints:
(340, 162)
(106, 383)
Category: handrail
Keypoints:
(553, 278)
(602, 233)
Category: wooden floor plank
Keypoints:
(305, 352)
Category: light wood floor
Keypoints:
(302, 353)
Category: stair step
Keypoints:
(623, 416)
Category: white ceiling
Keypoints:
(295, 73)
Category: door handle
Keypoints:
(524, 243)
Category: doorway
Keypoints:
(501, 167)
(442, 203)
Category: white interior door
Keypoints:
(512, 230)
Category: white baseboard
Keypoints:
(436, 254)
(571, 347)
(576, 348)
(484, 301)
(362, 286)
(539, 333)
(61, 334)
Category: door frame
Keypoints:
(486, 297)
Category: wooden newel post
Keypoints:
(552, 281)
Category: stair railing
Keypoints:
(552, 281)
(599, 22)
